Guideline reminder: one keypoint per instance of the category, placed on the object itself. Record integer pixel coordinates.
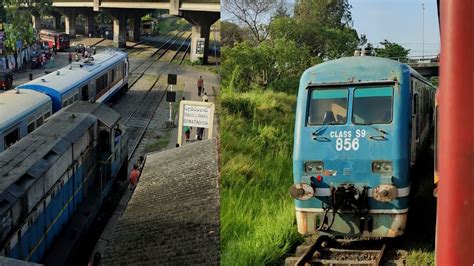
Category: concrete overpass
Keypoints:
(200, 13)
(426, 69)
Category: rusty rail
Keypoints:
(326, 251)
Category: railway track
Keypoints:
(144, 106)
(156, 55)
(326, 251)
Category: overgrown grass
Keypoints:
(257, 213)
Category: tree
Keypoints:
(331, 13)
(324, 26)
(252, 14)
(231, 34)
(392, 50)
(18, 19)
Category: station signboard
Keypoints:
(196, 115)
(200, 45)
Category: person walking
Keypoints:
(200, 133)
(134, 174)
(187, 133)
(205, 98)
(200, 85)
(70, 57)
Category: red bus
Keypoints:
(52, 37)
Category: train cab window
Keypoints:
(39, 122)
(31, 127)
(328, 106)
(11, 138)
(372, 106)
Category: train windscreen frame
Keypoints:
(328, 106)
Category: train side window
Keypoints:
(48, 114)
(76, 97)
(39, 122)
(11, 138)
(113, 75)
(31, 127)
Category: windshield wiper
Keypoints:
(378, 129)
(323, 126)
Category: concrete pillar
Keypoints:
(201, 28)
(36, 22)
(89, 26)
(134, 32)
(120, 31)
(70, 24)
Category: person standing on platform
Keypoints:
(205, 98)
(200, 85)
(134, 174)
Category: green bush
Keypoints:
(257, 214)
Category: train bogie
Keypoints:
(361, 123)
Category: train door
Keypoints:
(85, 93)
(415, 129)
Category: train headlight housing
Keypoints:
(382, 167)
(315, 167)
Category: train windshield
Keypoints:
(372, 106)
(328, 106)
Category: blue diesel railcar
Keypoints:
(361, 123)
(58, 175)
(97, 78)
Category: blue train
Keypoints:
(97, 78)
(361, 123)
(53, 181)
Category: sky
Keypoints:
(399, 21)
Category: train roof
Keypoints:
(16, 106)
(69, 77)
(357, 68)
(28, 162)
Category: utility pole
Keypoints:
(423, 53)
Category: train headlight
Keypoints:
(301, 191)
(382, 167)
(316, 167)
(385, 193)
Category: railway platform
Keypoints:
(173, 215)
